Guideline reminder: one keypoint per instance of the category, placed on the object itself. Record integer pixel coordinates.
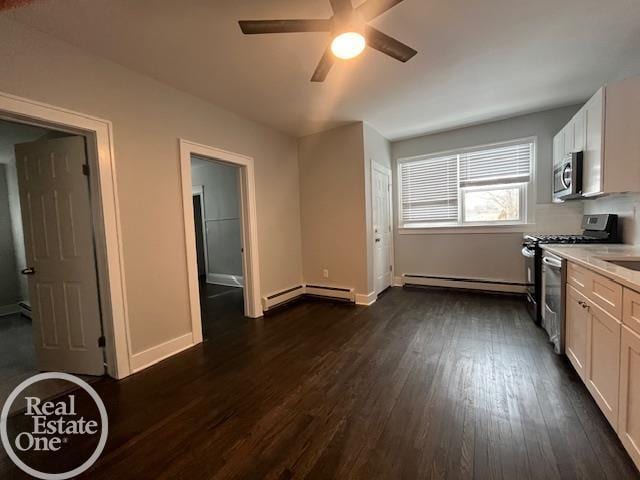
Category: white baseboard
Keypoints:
(286, 295)
(224, 279)
(464, 283)
(156, 354)
(397, 282)
(366, 300)
(9, 309)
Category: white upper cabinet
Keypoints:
(593, 113)
(606, 131)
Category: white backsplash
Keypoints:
(558, 218)
(626, 206)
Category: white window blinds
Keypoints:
(505, 164)
(430, 187)
(430, 190)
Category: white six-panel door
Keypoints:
(382, 229)
(63, 288)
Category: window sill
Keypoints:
(467, 229)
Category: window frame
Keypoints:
(527, 194)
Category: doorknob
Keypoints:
(27, 271)
(377, 240)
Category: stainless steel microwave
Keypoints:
(567, 177)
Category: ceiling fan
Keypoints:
(349, 29)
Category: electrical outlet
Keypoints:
(325, 273)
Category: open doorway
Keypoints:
(245, 222)
(218, 241)
(49, 296)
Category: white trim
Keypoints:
(104, 189)
(330, 292)
(225, 279)
(366, 300)
(9, 309)
(277, 298)
(198, 191)
(398, 281)
(251, 263)
(460, 283)
(156, 354)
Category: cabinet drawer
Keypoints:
(577, 277)
(631, 310)
(605, 293)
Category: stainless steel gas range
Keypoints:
(597, 229)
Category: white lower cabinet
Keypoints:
(576, 331)
(603, 362)
(602, 342)
(629, 418)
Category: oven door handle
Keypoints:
(528, 252)
(552, 262)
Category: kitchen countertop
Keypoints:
(590, 256)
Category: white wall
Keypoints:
(333, 212)
(222, 215)
(494, 255)
(148, 119)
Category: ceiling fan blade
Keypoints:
(374, 8)
(390, 46)
(325, 64)
(254, 27)
(341, 6)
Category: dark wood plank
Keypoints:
(423, 384)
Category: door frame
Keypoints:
(375, 166)
(105, 215)
(249, 221)
(198, 191)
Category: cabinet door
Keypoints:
(569, 137)
(579, 130)
(629, 419)
(576, 329)
(603, 365)
(558, 148)
(593, 155)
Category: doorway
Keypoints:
(382, 227)
(221, 230)
(105, 215)
(218, 242)
(49, 302)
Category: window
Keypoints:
(477, 186)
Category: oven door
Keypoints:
(529, 254)
(553, 280)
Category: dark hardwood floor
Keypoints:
(423, 384)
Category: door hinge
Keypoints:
(102, 342)
(85, 169)
(391, 268)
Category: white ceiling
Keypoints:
(478, 59)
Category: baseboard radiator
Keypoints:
(483, 284)
(323, 291)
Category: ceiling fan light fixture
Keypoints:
(348, 45)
